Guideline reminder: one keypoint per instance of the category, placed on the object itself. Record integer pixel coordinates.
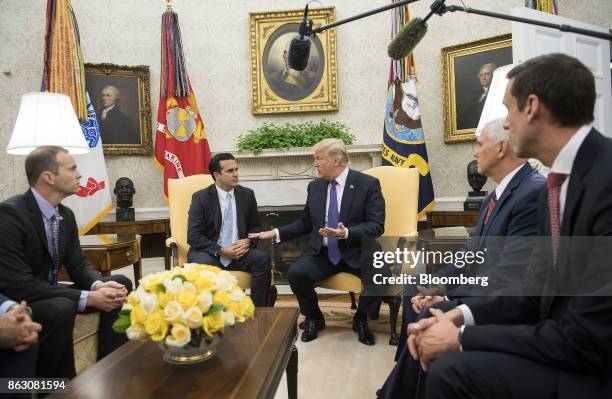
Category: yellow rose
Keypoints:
(205, 284)
(191, 275)
(132, 300)
(237, 308)
(165, 298)
(193, 317)
(249, 307)
(187, 298)
(212, 324)
(135, 333)
(180, 335)
(221, 297)
(137, 317)
(152, 284)
(156, 326)
(173, 312)
(213, 269)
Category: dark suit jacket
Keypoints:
(24, 256)
(204, 224)
(118, 128)
(507, 249)
(570, 333)
(362, 211)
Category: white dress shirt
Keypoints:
(563, 163)
(105, 111)
(222, 194)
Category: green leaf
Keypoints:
(162, 287)
(125, 312)
(180, 277)
(214, 309)
(121, 324)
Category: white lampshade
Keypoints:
(46, 119)
(494, 107)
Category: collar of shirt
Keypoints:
(45, 207)
(105, 110)
(565, 159)
(341, 179)
(223, 194)
(499, 190)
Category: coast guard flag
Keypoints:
(64, 73)
(403, 137)
(181, 147)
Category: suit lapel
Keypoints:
(215, 207)
(347, 195)
(37, 220)
(240, 206)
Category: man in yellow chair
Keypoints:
(343, 207)
(220, 217)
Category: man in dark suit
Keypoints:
(18, 336)
(342, 208)
(115, 126)
(560, 333)
(38, 236)
(220, 218)
(507, 216)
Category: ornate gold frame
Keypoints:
(140, 72)
(451, 133)
(264, 100)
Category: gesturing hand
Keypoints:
(264, 235)
(330, 232)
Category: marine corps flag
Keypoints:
(403, 138)
(64, 73)
(181, 148)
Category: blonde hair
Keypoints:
(335, 149)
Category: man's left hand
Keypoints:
(330, 232)
(438, 339)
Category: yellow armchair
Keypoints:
(400, 188)
(180, 192)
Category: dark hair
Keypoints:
(215, 162)
(40, 160)
(562, 83)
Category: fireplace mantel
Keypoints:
(280, 177)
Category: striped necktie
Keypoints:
(55, 225)
(553, 185)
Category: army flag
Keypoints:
(403, 137)
(64, 73)
(181, 147)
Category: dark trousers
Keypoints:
(18, 365)
(256, 262)
(406, 379)
(57, 316)
(309, 270)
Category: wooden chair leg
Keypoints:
(272, 295)
(394, 305)
(353, 303)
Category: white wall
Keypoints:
(216, 43)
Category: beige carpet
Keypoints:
(336, 365)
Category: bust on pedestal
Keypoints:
(475, 198)
(124, 190)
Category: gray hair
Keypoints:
(496, 131)
(114, 90)
(489, 67)
(335, 149)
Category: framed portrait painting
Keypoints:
(121, 98)
(467, 72)
(277, 88)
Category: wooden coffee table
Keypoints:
(249, 363)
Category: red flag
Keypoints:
(181, 147)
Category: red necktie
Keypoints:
(553, 185)
(490, 208)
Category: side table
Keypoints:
(108, 252)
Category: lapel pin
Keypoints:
(351, 187)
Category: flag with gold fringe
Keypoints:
(181, 147)
(549, 6)
(64, 73)
(403, 137)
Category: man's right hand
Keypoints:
(236, 251)
(17, 330)
(420, 301)
(106, 298)
(264, 235)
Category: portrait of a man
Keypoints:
(470, 109)
(120, 96)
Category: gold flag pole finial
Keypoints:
(168, 3)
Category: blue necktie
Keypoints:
(227, 228)
(333, 251)
(55, 222)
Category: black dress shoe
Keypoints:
(311, 327)
(365, 335)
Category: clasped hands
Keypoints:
(237, 250)
(430, 338)
(107, 296)
(17, 330)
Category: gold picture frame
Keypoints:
(464, 85)
(276, 88)
(121, 97)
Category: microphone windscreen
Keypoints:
(299, 51)
(407, 39)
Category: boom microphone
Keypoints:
(299, 48)
(407, 39)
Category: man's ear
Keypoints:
(532, 107)
(502, 149)
(47, 177)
